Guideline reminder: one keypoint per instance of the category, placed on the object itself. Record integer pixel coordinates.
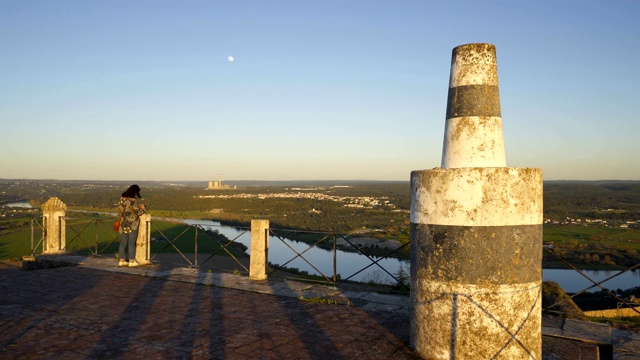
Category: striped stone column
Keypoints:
(473, 108)
(476, 231)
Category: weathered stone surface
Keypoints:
(473, 134)
(476, 231)
(259, 249)
(143, 242)
(54, 204)
(54, 223)
(477, 196)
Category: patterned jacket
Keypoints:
(129, 213)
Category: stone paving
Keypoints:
(82, 313)
(96, 310)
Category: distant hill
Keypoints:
(592, 199)
(204, 184)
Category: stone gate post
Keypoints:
(259, 249)
(143, 242)
(54, 223)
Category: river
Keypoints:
(350, 263)
(22, 204)
(571, 281)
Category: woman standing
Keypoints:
(129, 222)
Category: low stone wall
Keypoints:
(612, 313)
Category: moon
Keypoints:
(230, 59)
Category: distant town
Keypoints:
(365, 202)
(628, 224)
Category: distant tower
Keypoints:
(219, 180)
(210, 185)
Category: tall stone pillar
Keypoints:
(259, 249)
(143, 242)
(54, 223)
(476, 231)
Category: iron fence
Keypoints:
(330, 240)
(622, 302)
(102, 233)
(97, 237)
(36, 228)
(199, 229)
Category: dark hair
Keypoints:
(132, 192)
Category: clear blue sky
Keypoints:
(143, 90)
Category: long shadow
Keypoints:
(119, 337)
(396, 324)
(317, 343)
(190, 322)
(217, 336)
(388, 331)
(30, 298)
(115, 341)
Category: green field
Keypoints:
(591, 247)
(575, 234)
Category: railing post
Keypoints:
(61, 227)
(143, 240)
(55, 234)
(96, 231)
(32, 235)
(96, 242)
(44, 232)
(259, 249)
(195, 261)
(335, 259)
(148, 226)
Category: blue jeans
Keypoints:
(128, 239)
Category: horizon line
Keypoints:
(287, 180)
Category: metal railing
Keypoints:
(224, 247)
(79, 231)
(35, 226)
(97, 237)
(330, 240)
(621, 302)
